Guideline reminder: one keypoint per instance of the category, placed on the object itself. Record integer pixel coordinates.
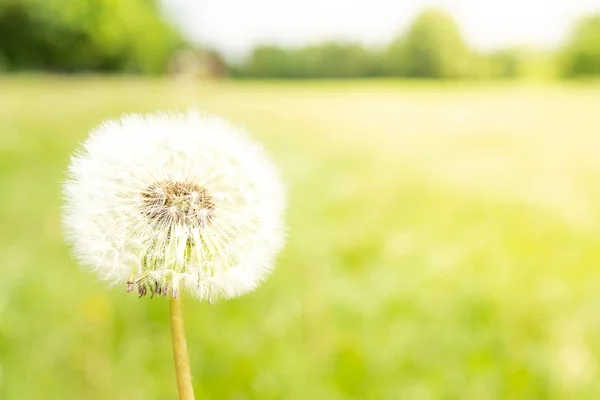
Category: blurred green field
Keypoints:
(444, 243)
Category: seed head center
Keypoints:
(171, 202)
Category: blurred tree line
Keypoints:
(85, 35)
(433, 48)
(133, 36)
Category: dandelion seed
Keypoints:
(164, 202)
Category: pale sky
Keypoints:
(235, 26)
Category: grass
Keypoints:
(444, 244)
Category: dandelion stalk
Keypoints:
(180, 353)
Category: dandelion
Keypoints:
(165, 203)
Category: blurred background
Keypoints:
(444, 173)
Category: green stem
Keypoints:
(182, 362)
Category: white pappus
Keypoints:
(166, 201)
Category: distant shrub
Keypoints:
(431, 48)
(581, 54)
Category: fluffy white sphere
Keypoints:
(168, 201)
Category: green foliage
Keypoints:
(581, 55)
(517, 63)
(332, 60)
(327, 60)
(506, 63)
(268, 62)
(432, 48)
(94, 35)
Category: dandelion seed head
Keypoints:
(163, 202)
(169, 202)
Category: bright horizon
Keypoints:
(235, 27)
